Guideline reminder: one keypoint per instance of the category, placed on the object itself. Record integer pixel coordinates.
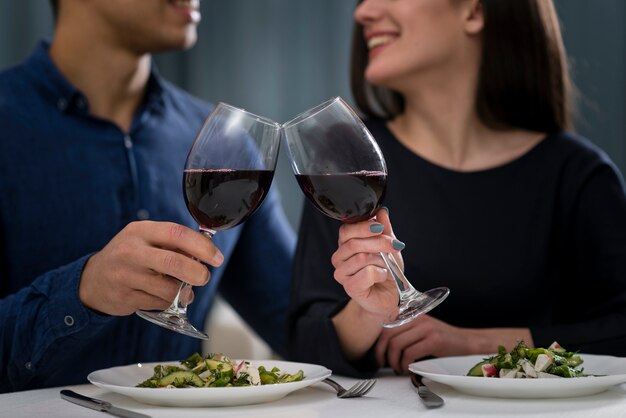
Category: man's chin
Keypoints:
(183, 42)
(190, 39)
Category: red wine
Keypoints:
(347, 197)
(223, 198)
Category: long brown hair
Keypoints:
(524, 78)
(54, 4)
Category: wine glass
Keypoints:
(227, 175)
(342, 171)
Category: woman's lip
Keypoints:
(378, 41)
(369, 34)
(375, 51)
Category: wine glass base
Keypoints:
(173, 322)
(421, 304)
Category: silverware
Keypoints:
(359, 389)
(429, 398)
(99, 405)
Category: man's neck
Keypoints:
(114, 80)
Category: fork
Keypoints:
(359, 389)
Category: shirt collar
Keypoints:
(53, 85)
(66, 97)
(155, 91)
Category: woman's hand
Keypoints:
(137, 268)
(360, 269)
(426, 336)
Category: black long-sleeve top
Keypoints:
(539, 242)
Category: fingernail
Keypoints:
(386, 209)
(377, 228)
(218, 258)
(398, 245)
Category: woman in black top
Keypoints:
(493, 195)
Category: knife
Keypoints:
(99, 405)
(429, 398)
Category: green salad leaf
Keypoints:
(526, 362)
(215, 370)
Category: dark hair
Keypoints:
(524, 77)
(55, 8)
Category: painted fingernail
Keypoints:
(377, 228)
(398, 245)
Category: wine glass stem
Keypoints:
(405, 289)
(179, 305)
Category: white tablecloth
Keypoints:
(393, 396)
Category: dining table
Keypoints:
(392, 396)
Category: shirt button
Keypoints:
(143, 214)
(128, 142)
(28, 365)
(69, 320)
(62, 103)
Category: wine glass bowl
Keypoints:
(228, 173)
(347, 197)
(342, 171)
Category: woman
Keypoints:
(493, 195)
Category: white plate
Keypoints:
(452, 371)
(123, 379)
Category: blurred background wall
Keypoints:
(280, 57)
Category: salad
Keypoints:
(215, 370)
(531, 363)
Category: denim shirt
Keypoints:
(69, 182)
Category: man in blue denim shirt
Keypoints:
(92, 217)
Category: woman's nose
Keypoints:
(367, 11)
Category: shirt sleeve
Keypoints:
(316, 297)
(43, 321)
(257, 279)
(590, 314)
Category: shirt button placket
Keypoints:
(62, 103)
(143, 214)
(80, 103)
(128, 142)
(132, 165)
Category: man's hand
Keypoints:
(133, 270)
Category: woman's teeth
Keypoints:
(375, 41)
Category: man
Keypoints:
(92, 218)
